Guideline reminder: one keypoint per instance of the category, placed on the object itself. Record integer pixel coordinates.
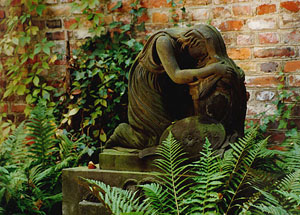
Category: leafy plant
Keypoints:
(229, 185)
(31, 160)
(28, 56)
(98, 95)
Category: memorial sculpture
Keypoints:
(183, 81)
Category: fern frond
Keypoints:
(116, 200)
(13, 150)
(291, 182)
(209, 180)
(156, 196)
(238, 167)
(174, 178)
(41, 131)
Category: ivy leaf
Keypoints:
(21, 90)
(103, 137)
(46, 94)
(118, 5)
(73, 111)
(46, 50)
(15, 40)
(37, 49)
(126, 27)
(40, 8)
(45, 65)
(36, 81)
(29, 99)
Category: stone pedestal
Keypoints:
(119, 169)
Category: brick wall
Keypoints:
(262, 36)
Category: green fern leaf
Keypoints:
(209, 181)
(174, 178)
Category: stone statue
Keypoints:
(183, 77)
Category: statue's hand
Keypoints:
(222, 69)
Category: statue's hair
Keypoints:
(191, 38)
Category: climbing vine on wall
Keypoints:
(98, 69)
(28, 56)
(97, 99)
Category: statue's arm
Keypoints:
(167, 57)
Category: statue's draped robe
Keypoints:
(155, 101)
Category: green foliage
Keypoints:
(98, 100)
(174, 179)
(28, 55)
(284, 101)
(208, 183)
(234, 184)
(116, 200)
(31, 160)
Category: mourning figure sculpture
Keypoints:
(183, 79)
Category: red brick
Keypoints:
(294, 80)
(69, 22)
(4, 108)
(58, 35)
(231, 25)
(222, 1)
(143, 18)
(239, 54)
(241, 10)
(15, 2)
(268, 38)
(244, 39)
(269, 67)
(155, 4)
(39, 23)
(18, 108)
(274, 52)
(55, 23)
(293, 6)
(196, 3)
(292, 66)
(292, 37)
(263, 81)
(57, 10)
(159, 18)
(260, 24)
(200, 14)
(229, 38)
(221, 12)
(2, 14)
(266, 9)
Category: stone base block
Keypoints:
(77, 200)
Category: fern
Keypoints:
(156, 196)
(174, 178)
(208, 182)
(116, 200)
(41, 133)
(238, 167)
(13, 150)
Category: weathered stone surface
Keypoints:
(192, 132)
(74, 194)
(112, 159)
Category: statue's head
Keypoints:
(194, 42)
(203, 42)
